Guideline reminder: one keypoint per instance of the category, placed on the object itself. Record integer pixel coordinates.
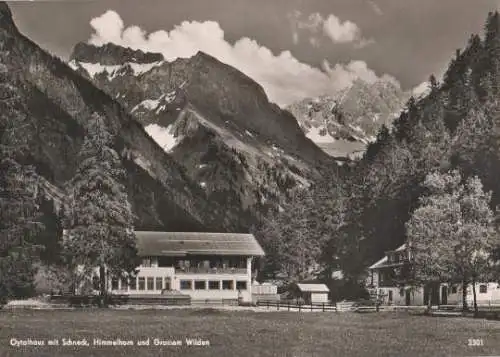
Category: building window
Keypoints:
(150, 283)
(159, 283)
(114, 283)
(146, 263)
(214, 285)
(142, 283)
(227, 285)
(454, 289)
(95, 282)
(167, 283)
(483, 289)
(186, 284)
(133, 283)
(199, 285)
(124, 283)
(401, 292)
(241, 285)
(390, 295)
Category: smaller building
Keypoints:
(383, 284)
(313, 293)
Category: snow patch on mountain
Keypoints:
(158, 105)
(141, 68)
(94, 69)
(320, 135)
(163, 136)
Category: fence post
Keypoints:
(278, 307)
(323, 307)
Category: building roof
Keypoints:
(150, 243)
(313, 288)
(382, 261)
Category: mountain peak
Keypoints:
(201, 54)
(111, 54)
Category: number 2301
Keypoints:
(473, 342)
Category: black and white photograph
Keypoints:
(289, 178)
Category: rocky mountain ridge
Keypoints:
(345, 123)
(58, 101)
(215, 121)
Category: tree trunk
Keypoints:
(429, 299)
(474, 296)
(102, 285)
(464, 296)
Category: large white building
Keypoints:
(206, 266)
(382, 283)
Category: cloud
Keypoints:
(340, 32)
(346, 74)
(312, 23)
(330, 27)
(314, 42)
(375, 7)
(284, 78)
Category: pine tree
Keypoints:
(100, 220)
(19, 214)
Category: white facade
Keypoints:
(205, 266)
(319, 298)
(314, 293)
(486, 294)
(379, 284)
(152, 280)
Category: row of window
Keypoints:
(140, 283)
(212, 285)
(160, 283)
(483, 289)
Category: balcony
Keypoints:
(201, 270)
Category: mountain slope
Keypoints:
(346, 123)
(59, 101)
(216, 122)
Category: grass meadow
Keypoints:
(247, 333)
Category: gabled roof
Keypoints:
(314, 288)
(382, 261)
(150, 243)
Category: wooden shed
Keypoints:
(314, 293)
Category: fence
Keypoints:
(294, 306)
(220, 302)
(334, 307)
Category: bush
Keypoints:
(3, 301)
(347, 290)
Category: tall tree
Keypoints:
(99, 221)
(452, 233)
(19, 214)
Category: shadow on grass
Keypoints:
(207, 311)
(486, 315)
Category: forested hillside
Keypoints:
(356, 218)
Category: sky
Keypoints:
(293, 48)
